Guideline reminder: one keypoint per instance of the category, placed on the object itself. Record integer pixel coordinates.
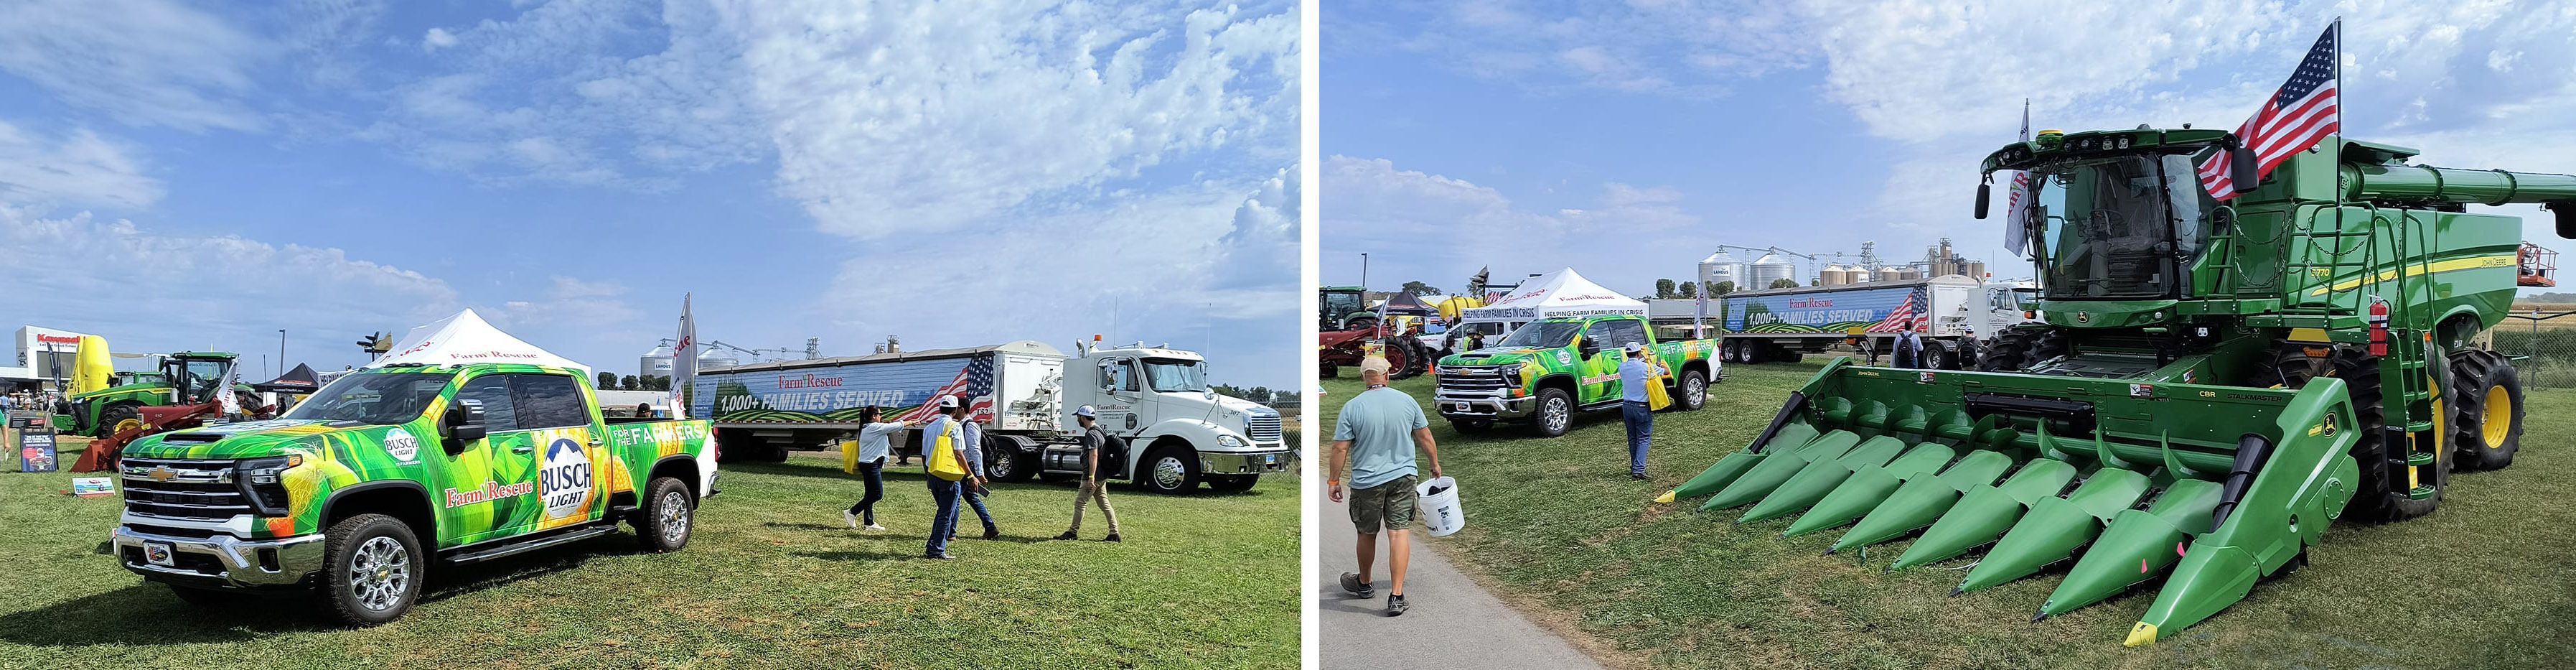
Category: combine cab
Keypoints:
(2234, 378)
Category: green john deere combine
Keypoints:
(2215, 385)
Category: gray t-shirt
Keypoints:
(1380, 424)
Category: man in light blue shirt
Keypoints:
(1635, 372)
(1375, 437)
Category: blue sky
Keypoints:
(174, 175)
(1628, 139)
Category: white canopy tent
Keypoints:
(466, 338)
(1559, 293)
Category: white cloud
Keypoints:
(1437, 229)
(436, 39)
(81, 169)
(1664, 48)
(141, 62)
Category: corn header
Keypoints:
(2213, 386)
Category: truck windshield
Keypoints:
(1174, 375)
(1543, 335)
(2118, 227)
(380, 399)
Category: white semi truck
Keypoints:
(1179, 433)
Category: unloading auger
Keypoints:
(2214, 385)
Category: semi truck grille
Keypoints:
(1479, 379)
(183, 489)
(1261, 427)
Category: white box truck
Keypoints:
(1023, 395)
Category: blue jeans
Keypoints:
(872, 472)
(945, 524)
(976, 500)
(1641, 429)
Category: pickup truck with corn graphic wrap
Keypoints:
(354, 494)
(1549, 370)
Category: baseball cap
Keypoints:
(1084, 410)
(947, 402)
(1635, 347)
(1374, 364)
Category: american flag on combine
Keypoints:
(2298, 116)
(975, 380)
(1907, 316)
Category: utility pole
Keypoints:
(1364, 275)
(281, 353)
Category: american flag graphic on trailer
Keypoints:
(975, 380)
(2298, 116)
(1908, 315)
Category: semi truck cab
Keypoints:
(1179, 432)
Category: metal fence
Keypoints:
(2543, 342)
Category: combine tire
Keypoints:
(1555, 413)
(2486, 391)
(2382, 494)
(2017, 349)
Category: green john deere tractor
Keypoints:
(185, 378)
(2216, 383)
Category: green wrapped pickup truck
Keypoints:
(1549, 370)
(353, 494)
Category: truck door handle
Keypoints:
(524, 449)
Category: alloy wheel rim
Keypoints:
(1697, 391)
(1168, 472)
(675, 516)
(380, 573)
(1556, 414)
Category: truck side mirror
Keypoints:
(463, 424)
(2566, 211)
(1985, 191)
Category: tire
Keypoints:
(1328, 371)
(1936, 356)
(1232, 483)
(1757, 352)
(372, 569)
(113, 415)
(2486, 395)
(1731, 351)
(2379, 496)
(203, 597)
(1471, 426)
(1787, 355)
(664, 522)
(1004, 461)
(1555, 413)
(1399, 362)
(1169, 470)
(1693, 392)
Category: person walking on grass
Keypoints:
(943, 526)
(1095, 445)
(1636, 370)
(875, 439)
(974, 492)
(1375, 439)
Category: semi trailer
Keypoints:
(1953, 314)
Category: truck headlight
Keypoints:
(1229, 441)
(266, 470)
(262, 483)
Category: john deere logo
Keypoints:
(161, 474)
(2081, 317)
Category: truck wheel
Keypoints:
(1936, 356)
(119, 417)
(2487, 392)
(202, 597)
(1005, 462)
(1555, 412)
(1731, 351)
(1171, 470)
(1694, 391)
(1787, 355)
(1232, 483)
(372, 569)
(663, 524)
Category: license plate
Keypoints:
(160, 553)
(1461, 407)
(1272, 459)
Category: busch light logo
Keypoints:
(564, 480)
(402, 446)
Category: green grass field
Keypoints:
(1557, 527)
(771, 579)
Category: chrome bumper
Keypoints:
(237, 562)
(1485, 406)
(1244, 463)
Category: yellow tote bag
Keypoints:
(850, 456)
(1656, 397)
(943, 459)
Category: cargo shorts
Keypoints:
(1389, 505)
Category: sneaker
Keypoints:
(875, 528)
(1395, 604)
(992, 533)
(1068, 535)
(1351, 584)
(850, 518)
(1113, 537)
(940, 557)
(1639, 476)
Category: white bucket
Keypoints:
(1439, 502)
